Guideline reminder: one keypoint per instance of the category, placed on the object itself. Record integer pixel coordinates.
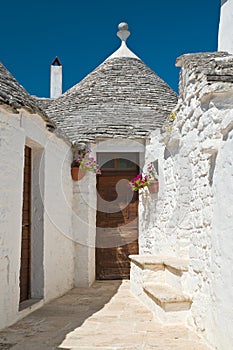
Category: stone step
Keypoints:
(149, 262)
(176, 264)
(156, 263)
(167, 297)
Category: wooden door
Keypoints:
(25, 267)
(117, 224)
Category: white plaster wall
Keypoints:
(148, 204)
(84, 229)
(11, 179)
(225, 35)
(220, 316)
(193, 213)
(57, 265)
(58, 238)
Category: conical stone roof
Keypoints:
(121, 98)
(14, 95)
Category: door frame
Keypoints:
(37, 223)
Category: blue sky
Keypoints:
(83, 33)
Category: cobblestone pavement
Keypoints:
(105, 316)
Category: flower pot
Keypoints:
(77, 173)
(153, 187)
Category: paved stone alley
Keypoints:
(105, 316)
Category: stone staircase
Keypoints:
(157, 282)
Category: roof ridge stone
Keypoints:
(123, 50)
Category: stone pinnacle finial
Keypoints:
(123, 33)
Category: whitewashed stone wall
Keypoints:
(193, 214)
(148, 203)
(52, 248)
(161, 213)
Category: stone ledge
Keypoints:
(153, 262)
(168, 298)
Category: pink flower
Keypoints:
(139, 181)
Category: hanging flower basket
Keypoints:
(153, 187)
(77, 173)
(83, 163)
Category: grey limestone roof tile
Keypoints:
(15, 96)
(120, 98)
(43, 102)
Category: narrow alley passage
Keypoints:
(105, 316)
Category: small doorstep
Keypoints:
(168, 298)
(28, 303)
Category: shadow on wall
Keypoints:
(49, 326)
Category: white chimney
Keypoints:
(55, 78)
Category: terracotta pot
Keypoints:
(77, 173)
(153, 187)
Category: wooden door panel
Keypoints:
(117, 231)
(114, 262)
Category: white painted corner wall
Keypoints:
(52, 248)
(84, 229)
